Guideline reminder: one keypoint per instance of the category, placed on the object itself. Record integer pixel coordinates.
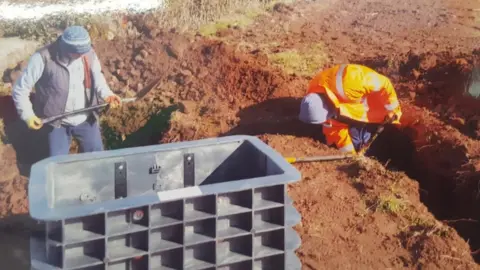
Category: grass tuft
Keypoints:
(302, 63)
(391, 204)
(419, 225)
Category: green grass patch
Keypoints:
(391, 204)
(302, 63)
(240, 19)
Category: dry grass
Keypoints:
(3, 136)
(207, 16)
(212, 15)
(4, 91)
(421, 225)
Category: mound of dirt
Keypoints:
(13, 195)
(212, 79)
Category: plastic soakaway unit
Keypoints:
(208, 204)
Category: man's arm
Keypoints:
(24, 85)
(102, 87)
(378, 83)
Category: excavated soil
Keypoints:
(414, 205)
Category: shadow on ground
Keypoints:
(15, 232)
(275, 116)
(24, 141)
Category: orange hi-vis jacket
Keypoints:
(358, 93)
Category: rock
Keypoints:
(416, 74)
(202, 73)
(171, 51)
(114, 79)
(139, 87)
(112, 69)
(176, 49)
(138, 58)
(421, 89)
(144, 53)
(135, 72)
(412, 95)
(110, 35)
(121, 74)
(428, 62)
(186, 72)
(461, 62)
(120, 64)
(187, 106)
(188, 79)
(121, 90)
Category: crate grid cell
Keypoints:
(165, 214)
(200, 208)
(127, 221)
(234, 202)
(234, 225)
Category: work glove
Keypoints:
(114, 101)
(391, 117)
(34, 123)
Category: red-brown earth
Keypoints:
(414, 208)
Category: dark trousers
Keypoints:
(87, 134)
(361, 134)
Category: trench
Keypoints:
(447, 85)
(447, 187)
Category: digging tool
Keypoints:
(379, 130)
(318, 158)
(344, 156)
(140, 95)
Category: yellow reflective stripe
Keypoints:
(365, 111)
(347, 148)
(339, 81)
(377, 83)
(392, 106)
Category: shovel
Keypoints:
(140, 95)
(378, 132)
(343, 156)
(318, 158)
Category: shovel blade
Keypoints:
(473, 83)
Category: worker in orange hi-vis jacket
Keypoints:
(350, 102)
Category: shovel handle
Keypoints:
(318, 158)
(63, 115)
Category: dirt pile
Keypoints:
(440, 135)
(211, 79)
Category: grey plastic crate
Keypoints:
(208, 204)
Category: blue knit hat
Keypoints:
(75, 39)
(314, 110)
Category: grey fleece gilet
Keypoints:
(51, 90)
